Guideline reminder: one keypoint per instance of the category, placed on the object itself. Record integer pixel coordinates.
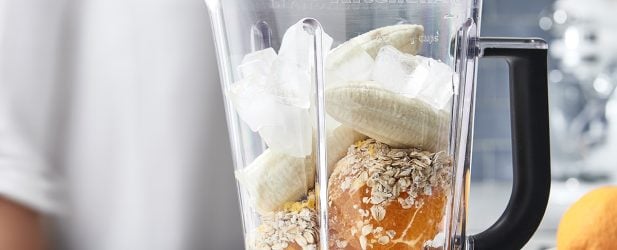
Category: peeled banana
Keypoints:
(388, 117)
(273, 179)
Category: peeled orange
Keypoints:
(591, 223)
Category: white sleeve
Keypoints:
(29, 49)
(24, 173)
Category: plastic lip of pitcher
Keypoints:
(351, 122)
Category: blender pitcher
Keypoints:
(351, 122)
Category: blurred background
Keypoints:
(583, 110)
(72, 73)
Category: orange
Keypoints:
(591, 222)
(413, 227)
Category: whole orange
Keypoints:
(591, 222)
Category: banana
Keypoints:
(388, 117)
(353, 60)
(273, 179)
(338, 143)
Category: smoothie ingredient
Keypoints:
(274, 179)
(387, 198)
(388, 117)
(415, 76)
(293, 228)
(591, 223)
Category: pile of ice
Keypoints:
(274, 94)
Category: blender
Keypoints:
(351, 122)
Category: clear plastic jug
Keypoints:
(351, 122)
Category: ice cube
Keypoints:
(414, 76)
(297, 45)
(438, 86)
(257, 63)
(395, 70)
(285, 128)
(293, 133)
(250, 98)
(353, 64)
(290, 83)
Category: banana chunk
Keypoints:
(388, 117)
(274, 179)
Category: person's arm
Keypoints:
(30, 43)
(20, 227)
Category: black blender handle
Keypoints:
(527, 59)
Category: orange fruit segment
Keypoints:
(387, 199)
